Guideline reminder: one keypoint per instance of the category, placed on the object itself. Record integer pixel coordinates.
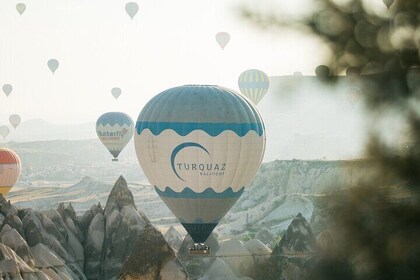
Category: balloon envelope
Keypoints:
(9, 169)
(254, 84)
(4, 131)
(115, 130)
(53, 64)
(222, 38)
(132, 8)
(199, 146)
(116, 92)
(20, 7)
(7, 89)
(15, 120)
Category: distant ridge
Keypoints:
(41, 130)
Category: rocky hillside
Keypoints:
(58, 244)
(282, 189)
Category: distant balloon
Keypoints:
(4, 131)
(7, 89)
(132, 8)
(297, 74)
(254, 84)
(116, 92)
(10, 169)
(222, 38)
(20, 7)
(115, 130)
(388, 3)
(53, 64)
(15, 120)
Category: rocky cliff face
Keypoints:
(282, 189)
(58, 244)
(295, 255)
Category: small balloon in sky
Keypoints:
(297, 73)
(20, 7)
(132, 8)
(7, 89)
(15, 120)
(4, 131)
(388, 3)
(116, 92)
(53, 64)
(222, 38)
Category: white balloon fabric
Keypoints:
(15, 120)
(4, 131)
(53, 64)
(199, 146)
(131, 8)
(222, 38)
(7, 89)
(116, 92)
(20, 7)
(9, 169)
(254, 84)
(115, 130)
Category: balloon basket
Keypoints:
(199, 249)
(114, 159)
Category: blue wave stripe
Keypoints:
(212, 129)
(113, 118)
(207, 193)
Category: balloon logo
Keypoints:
(254, 84)
(53, 64)
(7, 89)
(20, 7)
(116, 92)
(115, 130)
(4, 131)
(9, 169)
(222, 38)
(15, 120)
(131, 8)
(199, 146)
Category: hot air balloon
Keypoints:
(254, 84)
(53, 64)
(199, 146)
(7, 89)
(222, 38)
(15, 120)
(132, 8)
(115, 130)
(9, 169)
(4, 131)
(116, 92)
(20, 7)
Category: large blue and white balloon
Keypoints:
(115, 130)
(199, 146)
(254, 83)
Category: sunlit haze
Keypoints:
(167, 44)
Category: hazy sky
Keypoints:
(168, 43)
